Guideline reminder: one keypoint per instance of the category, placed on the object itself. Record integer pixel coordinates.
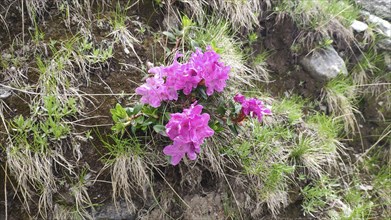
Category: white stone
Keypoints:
(359, 26)
(324, 64)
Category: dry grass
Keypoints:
(318, 20)
(240, 14)
(340, 96)
(129, 172)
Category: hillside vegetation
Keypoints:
(202, 109)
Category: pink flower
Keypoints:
(207, 66)
(154, 91)
(252, 107)
(185, 78)
(188, 131)
(178, 150)
(168, 80)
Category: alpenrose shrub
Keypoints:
(178, 82)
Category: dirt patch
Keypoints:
(288, 76)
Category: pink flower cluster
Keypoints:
(188, 131)
(252, 107)
(167, 80)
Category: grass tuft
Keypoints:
(319, 20)
(340, 96)
(241, 14)
(128, 168)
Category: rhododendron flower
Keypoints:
(252, 107)
(178, 150)
(185, 79)
(214, 73)
(202, 69)
(188, 131)
(164, 71)
(154, 91)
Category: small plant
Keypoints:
(120, 32)
(318, 196)
(181, 85)
(291, 108)
(241, 14)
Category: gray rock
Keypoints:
(383, 27)
(387, 61)
(359, 26)
(109, 211)
(385, 44)
(380, 8)
(324, 64)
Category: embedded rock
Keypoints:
(324, 64)
(381, 8)
(111, 212)
(383, 27)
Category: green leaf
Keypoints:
(139, 120)
(234, 129)
(170, 35)
(160, 129)
(186, 22)
(216, 126)
(221, 110)
(203, 92)
(137, 108)
(118, 113)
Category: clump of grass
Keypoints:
(275, 190)
(370, 64)
(33, 151)
(359, 205)
(241, 14)
(260, 66)
(320, 19)
(35, 8)
(340, 96)
(264, 161)
(290, 108)
(81, 196)
(120, 31)
(126, 160)
(318, 196)
(312, 155)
